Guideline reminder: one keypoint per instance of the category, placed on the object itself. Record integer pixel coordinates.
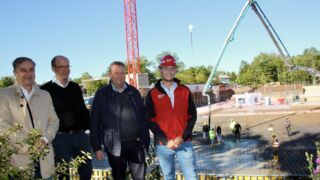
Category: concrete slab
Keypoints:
(253, 154)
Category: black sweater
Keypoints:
(69, 105)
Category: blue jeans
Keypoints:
(185, 156)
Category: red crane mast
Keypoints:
(131, 28)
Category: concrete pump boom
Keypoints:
(266, 23)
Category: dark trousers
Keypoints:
(275, 152)
(236, 136)
(68, 146)
(133, 154)
(37, 173)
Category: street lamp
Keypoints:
(190, 27)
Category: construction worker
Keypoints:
(219, 134)
(237, 131)
(212, 136)
(275, 146)
(232, 124)
(288, 126)
(205, 130)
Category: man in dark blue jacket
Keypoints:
(118, 122)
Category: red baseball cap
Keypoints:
(168, 60)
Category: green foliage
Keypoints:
(64, 167)
(309, 58)
(314, 172)
(85, 75)
(77, 80)
(187, 76)
(146, 67)
(233, 77)
(6, 81)
(194, 75)
(6, 150)
(37, 151)
(93, 86)
(154, 171)
(266, 68)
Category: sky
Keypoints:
(92, 33)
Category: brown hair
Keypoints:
(21, 60)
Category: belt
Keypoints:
(70, 132)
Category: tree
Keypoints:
(194, 75)
(77, 80)
(233, 77)
(93, 86)
(265, 68)
(84, 76)
(6, 81)
(309, 58)
(187, 76)
(146, 67)
(202, 74)
(244, 66)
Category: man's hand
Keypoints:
(171, 144)
(41, 144)
(178, 141)
(99, 155)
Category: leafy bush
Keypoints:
(314, 172)
(37, 151)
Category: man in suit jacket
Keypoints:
(24, 103)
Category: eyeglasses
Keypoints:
(63, 67)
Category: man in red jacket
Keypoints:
(172, 114)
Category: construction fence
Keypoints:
(99, 174)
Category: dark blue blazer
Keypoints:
(104, 124)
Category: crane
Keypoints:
(273, 35)
(131, 29)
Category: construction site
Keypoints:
(263, 111)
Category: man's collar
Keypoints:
(173, 86)
(55, 80)
(114, 88)
(18, 87)
(27, 94)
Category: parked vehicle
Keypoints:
(88, 101)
